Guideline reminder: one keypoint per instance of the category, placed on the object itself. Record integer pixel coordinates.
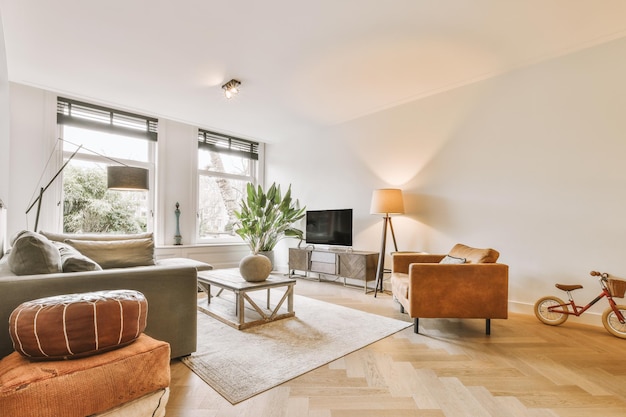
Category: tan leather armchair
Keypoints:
(476, 288)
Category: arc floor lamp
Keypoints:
(119, 177)
(386, 201)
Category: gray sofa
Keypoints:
(170, 286)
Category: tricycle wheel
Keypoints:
(612, 323)
(546, 316)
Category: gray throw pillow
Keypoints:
(32, 254)
(452, 260)
(74, 261)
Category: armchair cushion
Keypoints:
(473, 255)
(400, 286)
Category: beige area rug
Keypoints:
(239, 364)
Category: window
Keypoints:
(225, 166)
(94, 137)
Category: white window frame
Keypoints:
(255, 177)
(90, 156)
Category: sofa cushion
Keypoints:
(117, 253)
(77, 325)
(400, 285)
(33, 253)
(452, 260)
(474, 255)
(62, 237)
(74, 261)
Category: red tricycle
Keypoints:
(553, 311)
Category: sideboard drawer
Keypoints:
(324, 267)
(325, 257)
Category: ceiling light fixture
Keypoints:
(231, 88)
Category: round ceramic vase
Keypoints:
(255, 268)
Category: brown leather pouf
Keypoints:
(77, 325)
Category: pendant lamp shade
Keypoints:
(125, 178)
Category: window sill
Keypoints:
(200, 245)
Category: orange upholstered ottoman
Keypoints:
(85, 386)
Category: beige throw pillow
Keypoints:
(62, 237)
(32, 254)
(116, 253)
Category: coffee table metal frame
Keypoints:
(230, 279)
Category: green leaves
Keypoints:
(267, 217)
(89, 208)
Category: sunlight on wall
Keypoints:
(396, 145)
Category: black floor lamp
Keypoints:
(119, 177)
(386, 201)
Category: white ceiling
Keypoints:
(303, 64)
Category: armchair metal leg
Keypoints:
(488, 326)
(416, 322)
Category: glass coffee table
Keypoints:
(244, 311)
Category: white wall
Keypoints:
(176, 183)
(4, 140)
(33, 133)
(530, 163)
(4, 121)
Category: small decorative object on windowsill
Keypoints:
(263, 219)
(177, 237)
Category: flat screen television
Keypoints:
(329, 227)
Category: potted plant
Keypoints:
(263, 220)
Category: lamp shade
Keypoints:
(127, 178)
(387, 201)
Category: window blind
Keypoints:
(217, 142)
(90, 116)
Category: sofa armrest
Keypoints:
(458, 291)
(401, 261)
(200, 266)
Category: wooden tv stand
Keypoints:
(357, 265)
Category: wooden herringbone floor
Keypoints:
(451, 369)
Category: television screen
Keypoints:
(329, 227)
